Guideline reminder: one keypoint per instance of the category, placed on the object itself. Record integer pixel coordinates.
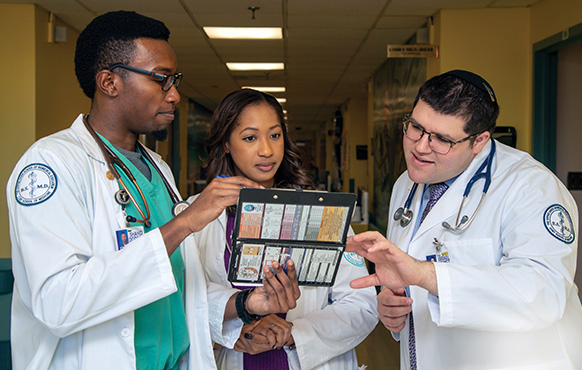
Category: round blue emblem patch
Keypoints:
(354, 259)
(559, 224)
(35, 184)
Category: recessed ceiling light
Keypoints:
(265, 88)
(255, 66)
(244, 32)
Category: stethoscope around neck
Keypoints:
(405, 214)
(123, 196)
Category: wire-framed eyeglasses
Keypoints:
(166, 81)
(436, 142)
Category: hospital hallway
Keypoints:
(345, 72)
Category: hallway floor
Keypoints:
(379, 351)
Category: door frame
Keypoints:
(545, 85)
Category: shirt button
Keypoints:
(125, 332)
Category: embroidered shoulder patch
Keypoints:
(559, 224)
(35, 184)
(354, 259)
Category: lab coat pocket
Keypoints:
(471, 252)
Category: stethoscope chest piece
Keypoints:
(122, 197)
(404, 215)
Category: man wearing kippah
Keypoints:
(478, 265)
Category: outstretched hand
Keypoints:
(394, 268)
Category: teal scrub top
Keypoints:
(161, 334)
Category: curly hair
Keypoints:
(110, 39)
(462, 94)
(290, 173)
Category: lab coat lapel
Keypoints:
(87, 140)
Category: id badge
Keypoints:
(126, 236)
(441, 254)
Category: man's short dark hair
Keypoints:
(110, 39)
(462, 94)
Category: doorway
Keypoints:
(557, 123)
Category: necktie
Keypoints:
(435, 192)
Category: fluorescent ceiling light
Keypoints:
(244, 32)
(281, 100)
(265, 89)
(255, 66)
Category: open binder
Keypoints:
(309, 227)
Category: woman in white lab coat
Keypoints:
(507, 298)
(249, 138)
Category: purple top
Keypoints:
(275, 359)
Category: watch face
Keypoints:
(179, 207)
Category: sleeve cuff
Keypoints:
(225, 333)
(441, 307)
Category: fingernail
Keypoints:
(273, 346)
(278, 348)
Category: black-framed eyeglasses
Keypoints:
(436, 142)
(166, 81)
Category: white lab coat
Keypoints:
(328, 323)
(507, 300)
(74, 293)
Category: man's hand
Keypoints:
(394, 268)
(393, 308)
(279, 292)
(218, 194)
(270, 332)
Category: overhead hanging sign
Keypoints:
(413, 51)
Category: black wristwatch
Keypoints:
(241, 309)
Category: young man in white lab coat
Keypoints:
(83, 300)
(494, 292)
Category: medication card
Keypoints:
(275, 225)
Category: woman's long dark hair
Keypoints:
(290, 173)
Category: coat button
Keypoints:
(125, 332)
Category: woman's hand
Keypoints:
(279, 293)
(268, 333)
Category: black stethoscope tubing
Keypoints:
(405, 214)
(123, 196)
